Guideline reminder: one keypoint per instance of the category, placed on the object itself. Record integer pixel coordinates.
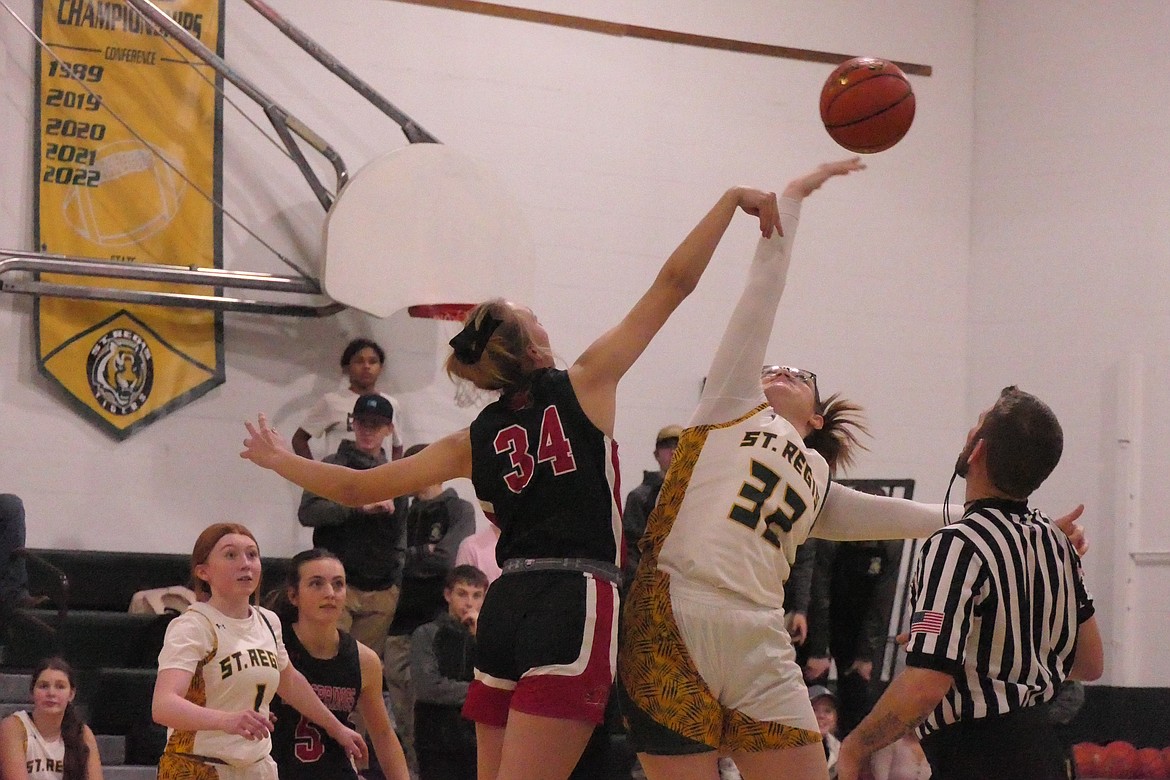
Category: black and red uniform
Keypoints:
(301, 749)
(548, 477)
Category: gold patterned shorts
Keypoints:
(672, 709)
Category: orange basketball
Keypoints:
(867, 104)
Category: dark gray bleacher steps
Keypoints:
(112, 749)
(129, 772)
(103, 580)
(88, 639)
(14, 688)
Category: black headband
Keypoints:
(470, 342)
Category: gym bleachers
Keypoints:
(113, 652)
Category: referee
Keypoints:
(1001, 617)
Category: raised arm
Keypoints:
(1089, 656)
(596, 373)
(733, 381)
(447, 458)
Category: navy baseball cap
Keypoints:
(374, 405)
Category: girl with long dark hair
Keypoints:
(52, 742)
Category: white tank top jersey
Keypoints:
(236, 665)
(751, 497)
(44, 759)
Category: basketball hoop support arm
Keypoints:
(284, 122)
(411, 129)
(27, 265)
(13, 261)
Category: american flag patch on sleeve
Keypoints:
(926, 622)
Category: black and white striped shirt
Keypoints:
(997, 601)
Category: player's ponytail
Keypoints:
(838, 439)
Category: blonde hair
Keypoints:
(505, 363)
(838, 439)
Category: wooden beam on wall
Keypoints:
(651, 33)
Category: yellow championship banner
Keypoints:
(129, 164)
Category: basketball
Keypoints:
(867, 104)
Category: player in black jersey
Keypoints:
(346, 675)
(544, 466)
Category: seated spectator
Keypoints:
(479, 550)
(52, 741)
(369, 540)
(442, 666)
(437, 522)
(330, 417)
(824, 704)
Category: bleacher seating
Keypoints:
(105, 581)
(113, 652)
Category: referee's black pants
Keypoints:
(1020, 745)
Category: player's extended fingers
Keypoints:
(1073, 530)
(769, 211)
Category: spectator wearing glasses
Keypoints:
(750, 476)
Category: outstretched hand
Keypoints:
(803, 186)
(763, 205)
(263, 445)
(1073, 530)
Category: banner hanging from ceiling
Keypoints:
(129, 169)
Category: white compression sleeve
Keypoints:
(850, 515)
(733, 381)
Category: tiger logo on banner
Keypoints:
(129, 168)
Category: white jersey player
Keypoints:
(706, 663)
